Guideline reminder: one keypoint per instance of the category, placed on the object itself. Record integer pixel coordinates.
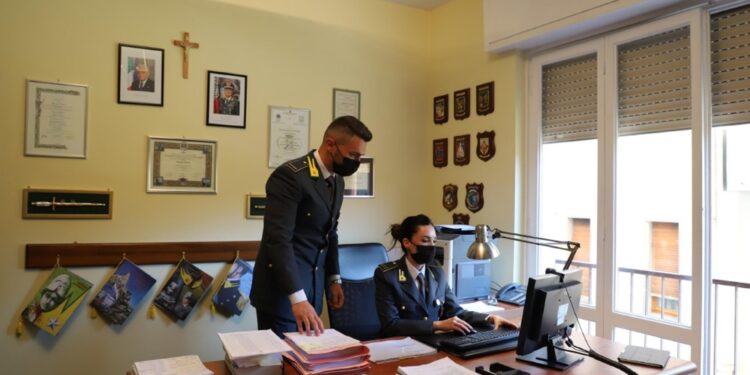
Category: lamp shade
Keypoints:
(483, 247)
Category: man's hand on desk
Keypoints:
(336, 298)
(498, 321)
(452, 324)
(307, 318)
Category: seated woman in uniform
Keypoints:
(404, 308)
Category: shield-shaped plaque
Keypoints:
(461, 149)
(474, 197)
(486, 145)
(461, 219)
(450, 196)
(440, 153)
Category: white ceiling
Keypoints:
(421, 4)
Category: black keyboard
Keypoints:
(480, 339)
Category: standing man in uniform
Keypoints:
(298, 254)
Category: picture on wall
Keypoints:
(185, 287)
(56, 301)
(486, 98)
(123, 292)
(141, 75)
(361, 183)
(440, 153)
(56, 116)
(461, 149)
(462, 104)
(181, 166)
(226, 99)
(440, 109)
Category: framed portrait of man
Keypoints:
(226, 99)
(141, 75)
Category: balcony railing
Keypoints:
(661, 277)
(721, 363)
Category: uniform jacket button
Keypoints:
(403, 307)
(316, 268)
(425, 318)
(309, 214)
(270, 265)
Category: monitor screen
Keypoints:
(547, 314)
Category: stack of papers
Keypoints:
(388, 350)
(481, 307)
(185, 365)
(253, 352)
(443, 366)
(330, 353)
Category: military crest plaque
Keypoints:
(450, 196)
(461, 219)
(486, 145)
(440, 153)
(440, 109)
(474, 197)
(461, 149)
(486, 98)
(461, 104)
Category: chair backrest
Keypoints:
(358, 318)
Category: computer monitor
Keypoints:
(548, 317)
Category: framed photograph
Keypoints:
(66, 204)
(440, 153)
(226, 99)
(461, 149)
(141, 75)
(56, 116)
(255, 206)
(486, 98)
(462, 104)
(440, 109)
(345, 103)
(181, 166)
(288, 134)
(360, 184)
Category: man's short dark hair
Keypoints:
(345, 127)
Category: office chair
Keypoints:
(358, 317)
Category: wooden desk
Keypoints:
(603, 346)
(588, 366)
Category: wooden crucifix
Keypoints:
(186, 45)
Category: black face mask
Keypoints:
(425, 254)
(347, 167)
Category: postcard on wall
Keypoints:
(185, 287)
(234, 293)
(289, 134)
(122, 293)
(56, 115)
(52, 305)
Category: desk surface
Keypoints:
(603, 346)
(588, 366)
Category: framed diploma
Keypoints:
(345, 103)
(181, 166)
(288, 134)
(360, 184)
(56, 115)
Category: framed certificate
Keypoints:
(56, 116)
(361, 183)
(288, 134)
(181, 166)
(345, 103)
(255, 208)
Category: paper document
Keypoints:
(185, 365)
(245, 344)
(443, 366)
(481, 307)
(386, 350)
(330, 340)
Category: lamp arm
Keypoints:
(569, 246)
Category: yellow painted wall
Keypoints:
(458, 61)
(293, 53)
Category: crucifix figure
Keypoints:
(186, 45)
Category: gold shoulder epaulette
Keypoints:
(297, 165)
(385, 267)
